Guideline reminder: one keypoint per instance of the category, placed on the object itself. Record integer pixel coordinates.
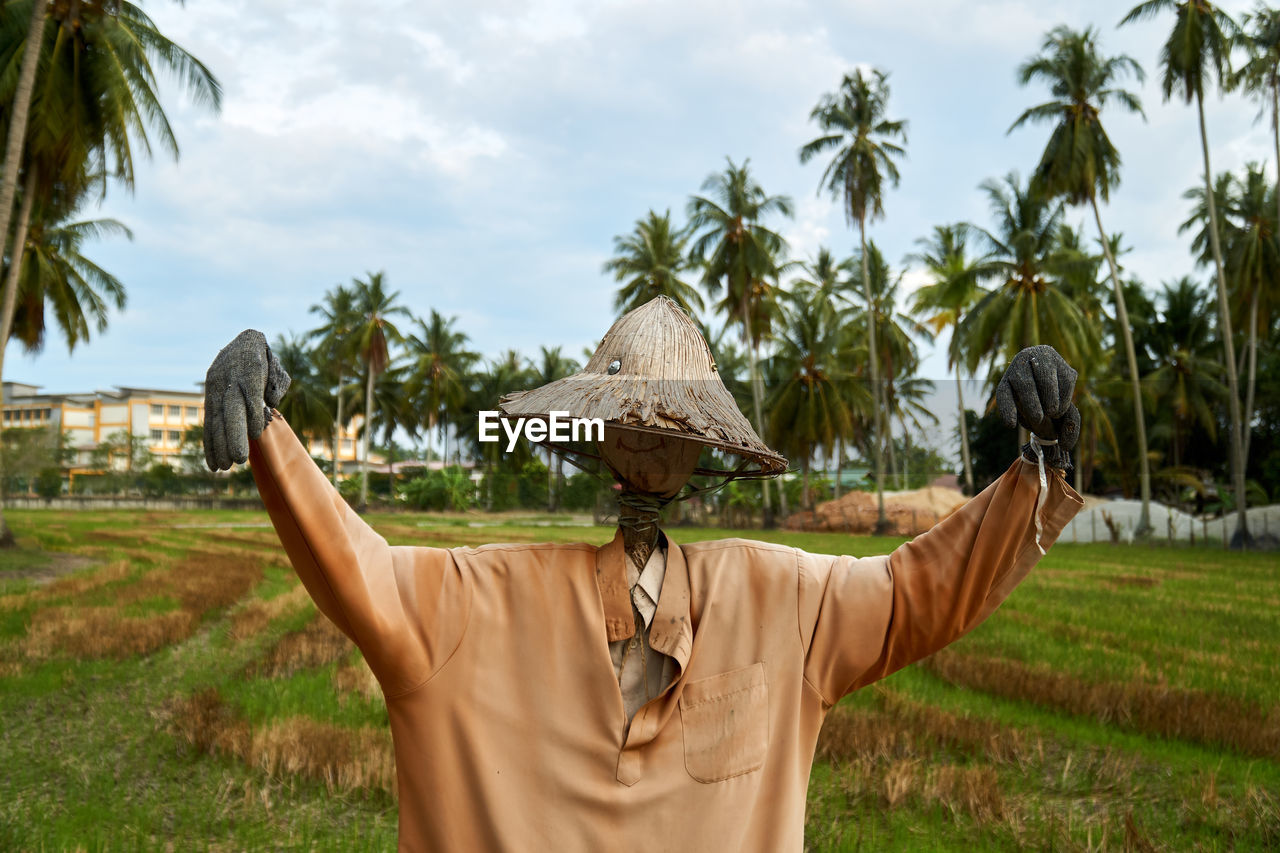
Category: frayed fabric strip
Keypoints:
(1036, 444)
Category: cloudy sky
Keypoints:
(485, 154)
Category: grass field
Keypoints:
(165, 682)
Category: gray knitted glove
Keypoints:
(243, 385)
(1036, 393)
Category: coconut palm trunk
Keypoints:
(839, 467)
(877, 437)
(1253, 302)
(9, 179)
(1253, 376)
(551, 482)
(337, 434)
(964, 434)
(21, 108)
(364, 439)
(1122, 321)
(1233, 389)
(8, 305)
(906, 453)
(757, 393)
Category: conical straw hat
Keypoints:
(653, 372)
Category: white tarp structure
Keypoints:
(1090, 525)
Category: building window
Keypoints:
(29, 415)
(175, 412)
(48, 414)
(192, 412)
(346, 445)
(174, 436)
(157, 436)
(157, 411)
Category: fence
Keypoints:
(1118, 521)
(104, 502)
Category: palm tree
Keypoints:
(335, 351)
(1253, 265)
(440, 373)
(373, 333)
(909, 400)
(825, 274)
(503, 375)
(54, 280)
(1260, 75)
(1027, 304)
(93, 106)
(1078, 277)
(1080, 164)
(1251, 258)
(1200, 43)
(854, 127)
(28, 43)
(1186, 379)
(549, 367)
(808, 408)
(743, 257)
(953, 289)
(649, 262)
(896, 352)
(395, 407)
(306, 406)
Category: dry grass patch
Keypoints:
(357, 679)
(102, 632)
(903, 730)
(68, 586)
(198, 584)
(318, 643)
(250, 620)
(1158, 709)
(82, 583)
(344, 759)
(201, 582)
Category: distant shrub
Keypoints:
(447, 489)
(49, 483)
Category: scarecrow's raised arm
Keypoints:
(866, 618)
(365, 586)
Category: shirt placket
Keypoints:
(671, 634)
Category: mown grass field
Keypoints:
(165, 682)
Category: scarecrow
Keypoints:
(643, 695)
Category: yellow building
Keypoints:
(156, 416)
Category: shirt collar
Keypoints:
(647, 590)
(671, 631)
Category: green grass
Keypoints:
(936, 757)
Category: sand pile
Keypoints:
(908, 513)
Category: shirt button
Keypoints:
(634, 642)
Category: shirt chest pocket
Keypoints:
(726, 723)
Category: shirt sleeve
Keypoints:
(404, 607)
(862, 619)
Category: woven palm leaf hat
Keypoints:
(653, 372)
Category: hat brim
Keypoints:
(702, 411)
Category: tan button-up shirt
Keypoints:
(508, 722)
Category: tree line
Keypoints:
(824, 352)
